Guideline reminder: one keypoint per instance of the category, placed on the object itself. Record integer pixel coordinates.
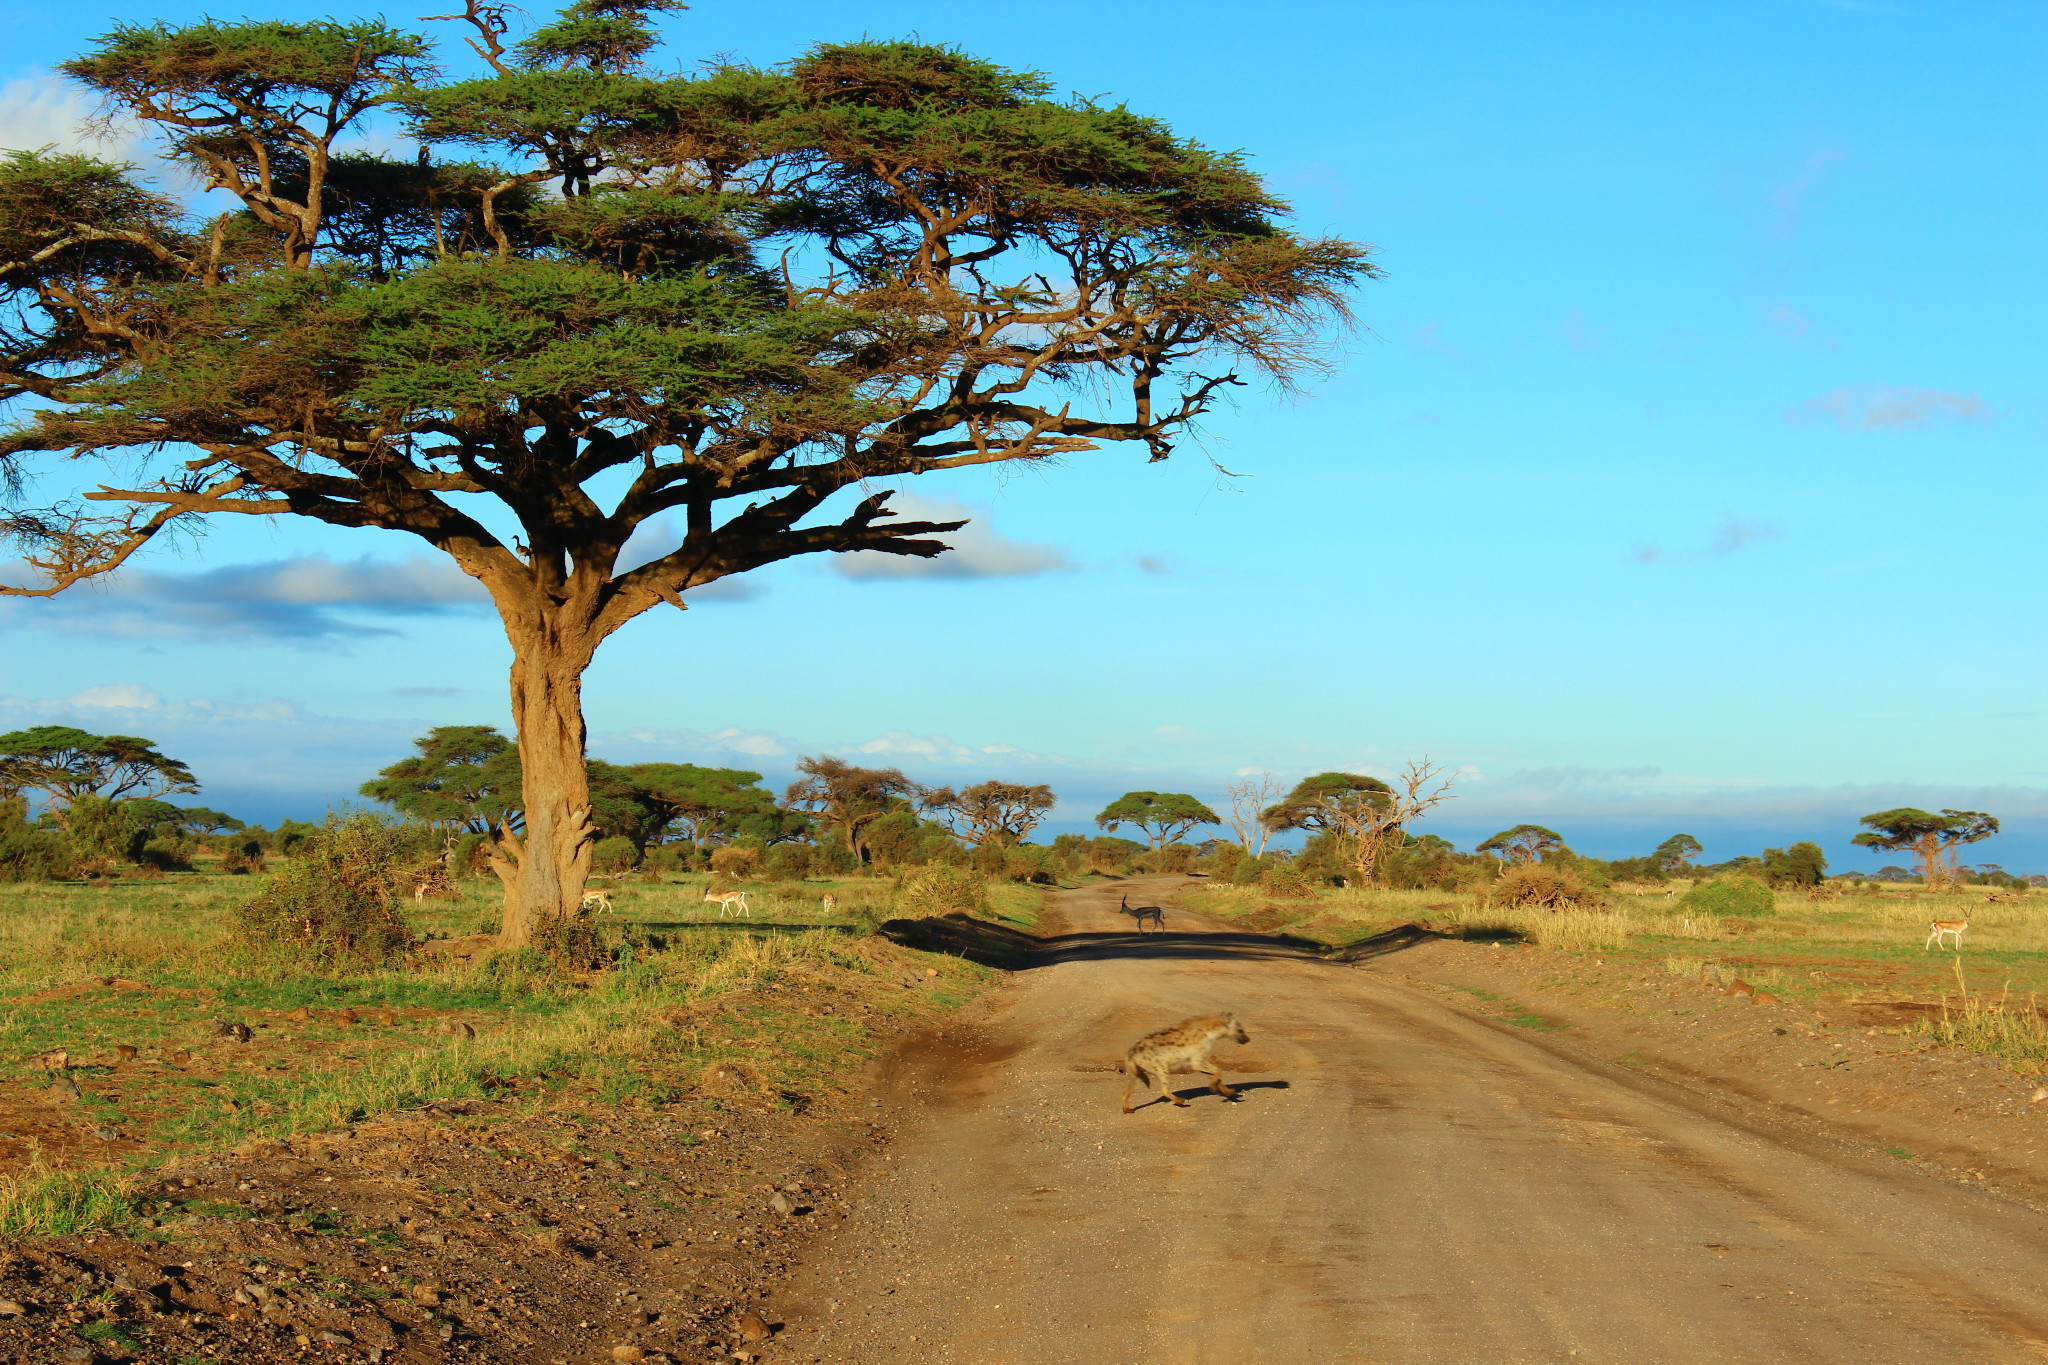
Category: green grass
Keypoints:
(1852, 948)
(696, 995)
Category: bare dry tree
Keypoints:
(1249, 797)
(1369, 828)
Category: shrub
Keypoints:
(1545, 887)
(833, 857)
(1249, 871)
(28, 854)
(239, 855)
(574, 942)
(1737, 894)
(941, 890)
(1174, 858)
(1287, 882)
(339, 895)
(1039, 866)
(165, 855)
(789, 862)
(614, 855)
(736, 860)
(100, 828)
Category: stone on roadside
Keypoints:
(780, 1203)
(10, 1309)
(751, 1326)
(626, 1350)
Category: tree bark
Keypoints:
(544, 872)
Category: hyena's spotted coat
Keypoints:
(1185, 1047)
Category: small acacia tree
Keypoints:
(1676, 852)
(1164, 817)
(68, 764)
(1933, 839)
(1368, 828)
(992, 814)
(460, 777)
(751, 290)
(847, 798)
(1311, 804)
(1523, 843)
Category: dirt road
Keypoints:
(1399, 1182)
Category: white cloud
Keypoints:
(44, 110)
(1889, 407)
(979, 551)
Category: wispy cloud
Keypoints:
(979, 551)
(1888, 407)
(45, 110)
(1787, 199)
(1728, 538)
(307, 600)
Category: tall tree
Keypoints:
(1164, 817)
(992, 814)
(1933, 839)
(749, 291)
(1523, 843)
(849, 799)
(66, 764)
(1315, 800)
(1674, 853)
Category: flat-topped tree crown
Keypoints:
(706, 304)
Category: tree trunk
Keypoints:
(544, 872)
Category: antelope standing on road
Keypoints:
(1944, 928)
(727, 899)
(1142, 913)
(1185, 1047)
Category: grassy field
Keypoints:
(127, 980)
(1854, 949)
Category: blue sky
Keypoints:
(1684, 472)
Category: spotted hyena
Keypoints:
(1185, 1047)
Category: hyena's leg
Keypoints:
(1130, 1079)
(1215, 1074)
(1165, 1074)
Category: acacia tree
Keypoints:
(1523, 843)
(1674, 853)
(749, 291)
(1311, 804)
(461, 777)
(68, 764)
(847, 798)
(1164, 817)
(992, 814)
(1933, 839)
(1368, 822)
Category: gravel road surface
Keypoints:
(1399, 1181)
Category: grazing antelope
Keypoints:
(727, 899)
(1944, 928)
(1144, 912)
(831, 904)
(1184, 1047)
(601, 899)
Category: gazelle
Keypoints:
(1944, 928)
(727, 899)
(831, 904)
(601, 899)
